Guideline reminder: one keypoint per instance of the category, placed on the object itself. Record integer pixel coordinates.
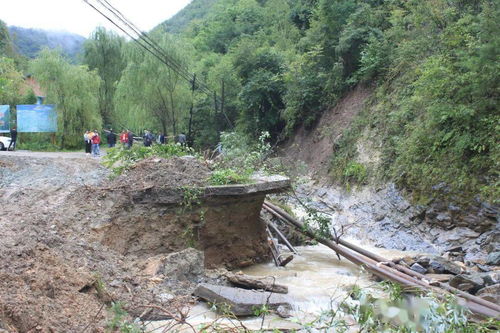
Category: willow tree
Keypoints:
(74, 89)
(11, 82)
(151, 94)
(103, 52)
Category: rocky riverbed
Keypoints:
(384, 217)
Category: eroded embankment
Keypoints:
(380, 212)
(74, 241)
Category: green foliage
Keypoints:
(241, 155)
(191, 196)
(11, 81)
(37, 144)
(398, 313)
(229, 176)
(355, 172)
(103, 52)
(6, 46)
(436, 107)
(119, 320)
(151, 95)
(193, 12)
(120, 158)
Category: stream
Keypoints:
(316, 279)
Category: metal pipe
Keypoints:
(282, 237)
(474, 303)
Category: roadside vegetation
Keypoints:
(279, 64)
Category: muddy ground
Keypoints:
(54, 275)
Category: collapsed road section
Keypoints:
(74, 241)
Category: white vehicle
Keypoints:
(4, 142)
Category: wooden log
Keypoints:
(263, 283)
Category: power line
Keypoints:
(152, 47)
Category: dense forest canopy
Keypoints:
(279, 64)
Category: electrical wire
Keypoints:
(152, 47)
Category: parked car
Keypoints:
(4, 142)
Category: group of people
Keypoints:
(93, 140)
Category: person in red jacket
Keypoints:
(124, 138)
(96, 141)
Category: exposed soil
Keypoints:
(382, 213)
(314, 148)
(55, 273)
(161, 173)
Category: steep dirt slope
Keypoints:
(314, 148)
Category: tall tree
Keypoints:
(103, 52)
(74, 89)
(151, 94)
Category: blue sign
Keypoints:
(36, 118)
(4, 118)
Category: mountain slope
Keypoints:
(196, 10)
(29, 42)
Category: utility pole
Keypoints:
(190, 138)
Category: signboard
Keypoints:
(4, 118)
(36, 118)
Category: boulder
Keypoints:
(490, 293)
(439, 265)
(241, 302)
(493, 258)
(187, 265)
(418, 268)
(467, 282)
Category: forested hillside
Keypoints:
(434, 65)
(28, 42)
(194, 11)
(278, 65)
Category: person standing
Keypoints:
(182, 139)
(96, 141)
(88, 142)
(13, 139)
(162, 138)
(130, 139)
(148, 138)
(111, 137)
(124, 139)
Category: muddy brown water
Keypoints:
(317, 281)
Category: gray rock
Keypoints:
(493, 258)
(467, 282)
(440, 265)
(490, 293)
(187, 264)
(418, 268)
(241, 302)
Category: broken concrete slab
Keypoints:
(241, 302)
(267, 283)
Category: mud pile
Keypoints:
(164, 173)
(55, 274)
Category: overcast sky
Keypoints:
(78, 17)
